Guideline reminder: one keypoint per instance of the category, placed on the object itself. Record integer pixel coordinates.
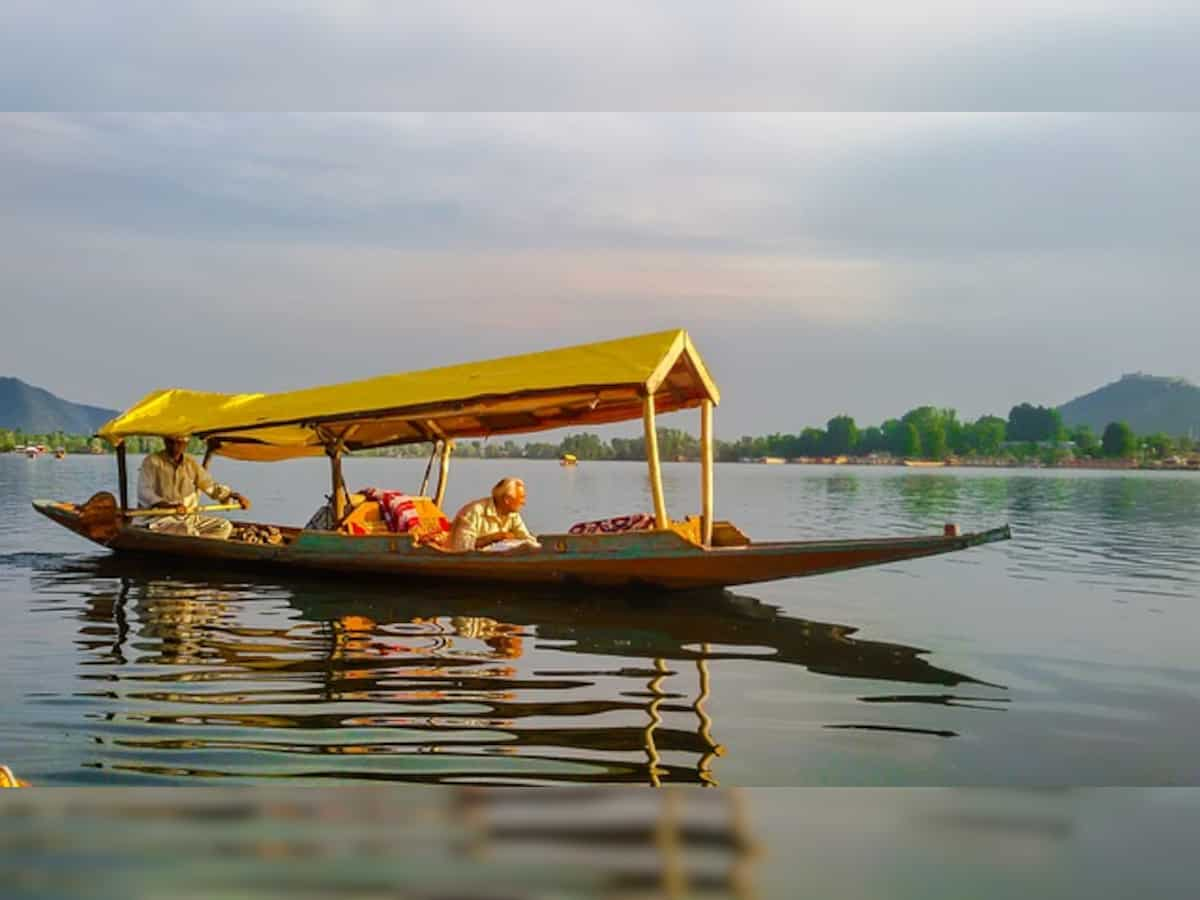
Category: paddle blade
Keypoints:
(99, 518)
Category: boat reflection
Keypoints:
(254, 677)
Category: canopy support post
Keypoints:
(706, 472)
(122, 478)
(656, 488)
(338, 497)
(443, 473)
(428, 468)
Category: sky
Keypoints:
(823, 262)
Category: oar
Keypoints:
(100, 517)
(172, 511)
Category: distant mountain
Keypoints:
(1149, 403)
(37, 411)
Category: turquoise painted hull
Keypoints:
(661, 559)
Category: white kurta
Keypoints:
(160, 480)
(480, 518)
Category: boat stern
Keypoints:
(83, 520)
(991, 536)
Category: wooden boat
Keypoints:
(611, 381)
(568, 459)
(924, 463)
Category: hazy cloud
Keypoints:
(824, 263)
(538, 54)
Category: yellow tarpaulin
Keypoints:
(589, 384)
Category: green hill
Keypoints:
(1148, 403)
(36, 411)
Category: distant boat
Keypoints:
(59, 453)
(924, 463)
(32, 452)
(568, 459)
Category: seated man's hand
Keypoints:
(486, 540)
(243, 502)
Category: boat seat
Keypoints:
(725, 534)
(688, 529)
(367, 518)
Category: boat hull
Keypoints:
(660, 559)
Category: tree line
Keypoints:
(932, 433)
(10, 439)
(925, 432)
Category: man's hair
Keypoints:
(506, 486)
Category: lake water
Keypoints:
(1066, 656)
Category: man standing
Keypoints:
(172, 479)
(483, 522)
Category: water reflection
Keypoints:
(928, 495)
(188, 676)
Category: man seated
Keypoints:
(172, 479)
(489, 520)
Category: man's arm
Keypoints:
(219, 492)
(488, 539)
(465, 532)
(518, 530)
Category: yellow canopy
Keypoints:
(590, 384)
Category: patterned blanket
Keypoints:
(405, 514)
(616, 525)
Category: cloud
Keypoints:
(825, 263)
(568, 54)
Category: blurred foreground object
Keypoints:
(483, 843)
(9, 780)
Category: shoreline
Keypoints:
(1121, 465)
(1103, 465)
